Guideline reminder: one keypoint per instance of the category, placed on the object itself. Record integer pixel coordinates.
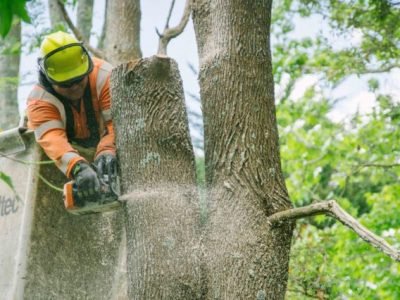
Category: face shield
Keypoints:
(66, 65)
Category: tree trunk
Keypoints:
(122, 38)
(100, 44)
(55, 13)
(246, 258)
(84, 20)
(158, 176)
(10, 53)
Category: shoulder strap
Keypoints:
(91, 117)
(91, 123)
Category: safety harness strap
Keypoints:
(92, 124)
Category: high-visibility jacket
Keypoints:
(48, 118)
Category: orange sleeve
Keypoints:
(54, 141)
(107, 141)
(39, 112)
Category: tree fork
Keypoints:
(157, 180)
(170, 33)
(80, 36)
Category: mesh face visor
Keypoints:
(66, 64)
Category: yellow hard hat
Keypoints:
(63, 58)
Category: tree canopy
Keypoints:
(354, 161)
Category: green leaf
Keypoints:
(9, 8)
(5, 18)
(7, 180)
(373, 84)
(18, 8)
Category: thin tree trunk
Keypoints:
(56, 16)
(10, 53)
(246, 259)
(122, 39)
(84, 17)
(158, 176)
(100, 44)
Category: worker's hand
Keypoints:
(87, 181)
(106, 164)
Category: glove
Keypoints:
(87, 181)
(106, 164)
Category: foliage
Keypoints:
(355, 162)
(358, 167)
(336, 263)
(9, 8)
(369, 31)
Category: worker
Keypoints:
(71, 105)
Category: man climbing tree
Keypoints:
(71, 105)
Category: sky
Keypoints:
(353, 91)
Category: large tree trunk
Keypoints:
(246, 259)
(9, 70)
(84, 17)
(122, 38)
(158, 176)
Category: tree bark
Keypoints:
(245, 257)
(56, 16)
(100, 44)
(122, 38)
(158, 178)
(10, 53)
(84, 17)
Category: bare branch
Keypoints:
(170, 33)
(383, 69)
(331, 208)
(169, 15)
(77, 33)
(159, 33)
(193, 69)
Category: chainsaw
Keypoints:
(106, 200)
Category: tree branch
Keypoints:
(77, 33)
(169, 15)
(331, 208)
(383, 69)
(385, 166)
(170, 33)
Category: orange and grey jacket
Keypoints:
(56, 124)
